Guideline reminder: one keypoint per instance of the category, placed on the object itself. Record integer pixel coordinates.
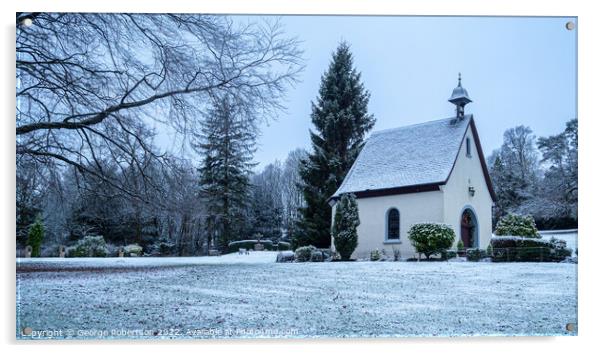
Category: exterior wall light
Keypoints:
(471, 191)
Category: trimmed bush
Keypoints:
(431, 238)
(132, 250)
(344, 229)
(489, 250)
(88, 246)
(303, 253)
(510, 249)
(374, 255)
(473, 254)
(518, 226)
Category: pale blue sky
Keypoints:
(516, 70)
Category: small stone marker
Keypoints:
(258, 247)
(28, 250)
(61, 251)
(120, 252)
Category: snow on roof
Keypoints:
(411, 155)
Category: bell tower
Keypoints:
(459, 98)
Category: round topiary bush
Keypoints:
(518, 226)
(431, 238)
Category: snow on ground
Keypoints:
(225, 298)
(50, 263)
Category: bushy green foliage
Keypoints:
(431, 238)
(374, 255)
(35, 237)
(344, 229)
(89, 246)
(460, 245)
(475, 254)
(518, 226)
(489, 250)
(303, 253)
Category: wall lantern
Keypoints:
(471, 190)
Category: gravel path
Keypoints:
(162, 298)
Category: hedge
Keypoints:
(249, 245)
(511, 249)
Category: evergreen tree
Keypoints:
(266, 206)
(344, 229)
(227, 148)
(340, 117)
(35, 237)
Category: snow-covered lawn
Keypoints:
(236, 296)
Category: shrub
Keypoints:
(303, 253)
(460, 245)
(431, 238)
(132, 250)
(449, 254)
(516, 225)
(344, 229)
(489, 250)
(475, 254)
(559, 251)
(35, 237)
(374, 255)
(88, 246)
(510, 248)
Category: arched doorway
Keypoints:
(469, 230)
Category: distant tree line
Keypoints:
(537, 176)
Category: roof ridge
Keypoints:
(467, 116)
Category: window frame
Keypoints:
(468, 147)
(388, 228)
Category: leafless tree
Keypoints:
(94, 87)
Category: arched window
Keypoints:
(468, 148)
(393, 224)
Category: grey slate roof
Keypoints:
(407, 156)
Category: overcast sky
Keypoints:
(516, 70)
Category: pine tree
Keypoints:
(227, 148)
(340, 118)
(344, 229)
